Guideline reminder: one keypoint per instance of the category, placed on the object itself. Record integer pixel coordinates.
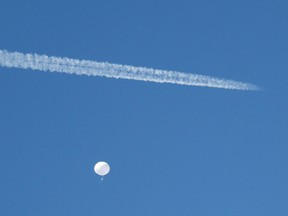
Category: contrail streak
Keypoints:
(104, 69)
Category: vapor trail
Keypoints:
(104, 69)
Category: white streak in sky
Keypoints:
(104, 69)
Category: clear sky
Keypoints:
(173, 150)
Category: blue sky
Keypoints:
(173, 150)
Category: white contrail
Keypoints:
(104, 69)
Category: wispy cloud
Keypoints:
(104, 69)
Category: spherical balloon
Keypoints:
(102, 168)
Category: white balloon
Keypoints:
(102, 168)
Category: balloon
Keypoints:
(102, 168)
